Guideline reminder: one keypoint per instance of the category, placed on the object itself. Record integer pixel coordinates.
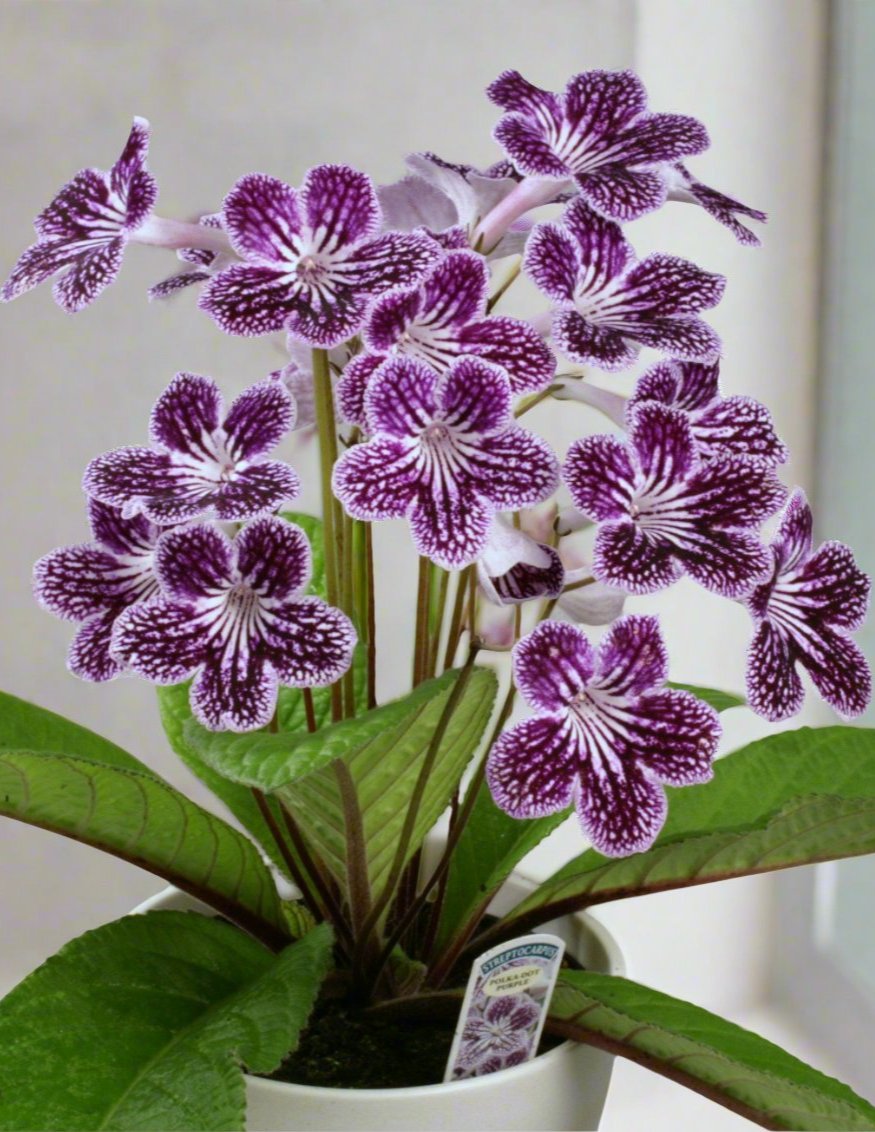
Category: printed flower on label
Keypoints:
(721, 426)
(599, 132)
(662, 512)
(501, 1028)
(804, 615)
(233, 615)
(606, 736)
(87, 226)
(609, 304)
(682, 185)
(313, 258)
(444, 452)
(94, 582)
(200, 464)
(441, 319)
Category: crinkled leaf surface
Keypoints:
(729, 1065)
(789, 799)
(493, 844)
(146, 1023)
(383, 750)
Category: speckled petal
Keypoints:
(117, 534)
(623, 194)
(632, 657)
(739, 426)
(774, 689)
(624, 556)
(552, 665)
(235, 691)
(598, 472)
(840, 673)
(675, 736)
(377, 480)
(551, 261)
(341, 207)
(262, 218)
(390, 317)
(90, 274)
(76, 582)
(194, 563)
(663, 442)
(620, 808)
(455, 290)
(523, 142)
(665, 285)
(186, 415)
(309, 643)
(274, 558)
(353, 384)
(475, 398)
(161, 641)
(729, 563)
(450, 529)
(328, 325)
(792, 543)
(393, 260)
(514, 469)
(515, 346)
(249, 300)
(126, 475)
(531, 769)
(258, 420)
(89, 655)
(834, 585)
(585, 343)
(256, 490)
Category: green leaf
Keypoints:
(146, 1023)
(175, 717)
(720, 701)
(789, 799)
(145, 821)
(26, 726)
(725, 1063)
(383, 750)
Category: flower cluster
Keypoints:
(386, 299)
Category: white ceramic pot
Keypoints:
(562, 1089)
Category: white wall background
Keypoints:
(278, 86)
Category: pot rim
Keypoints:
(594, 926)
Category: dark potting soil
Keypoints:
(343, 1048)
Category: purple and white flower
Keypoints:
(441, 319)
(313, 258)
(94, 582)
(513, 568)
(606, 735)
(445, 453)
(721, 426)
(598, 132)
(233, 615)
(804, 615)
(662, 511)
(87, 227)
(682, 185)
(200, 464)
(609, 304)
(498, 1030)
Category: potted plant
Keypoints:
(337, 941)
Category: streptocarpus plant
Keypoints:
(260, 628)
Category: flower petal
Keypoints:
(258, 419)
(75, 582)
(262, 218)
(585, 343)
(665, 285)
(119, 535)
(474, 397)
(738, 426)
(840, 673)
(656, 138)
(603, 250)
(234, 691)
(514, 469)
(394, 260)
(632, 657)
(689, 339)
(792, 543)
(248, 300)
(125, 475)
(599, 474)
(89, 657)
(625, 557)
(602, 102)
(729, 563)
(523, 141)
(552, 665)
(160, 640)
(89, 275)
(390, 317)
(531, 769)
(515, 346)
(309, 643)
(328, 325)
(832, 582)
(774, 689)
(551, 261)
(451, 530)
(353, 384)
(734, 492)
(377, 480)
(455, 290)
(401, 397)
(77, 207)
(623, 194)
(512, 92)
(675, 736)
(274, 558)
(36, 264)
(663, 442)
(341, 207)
(620, 808)
(195, 562)
(186, 415)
